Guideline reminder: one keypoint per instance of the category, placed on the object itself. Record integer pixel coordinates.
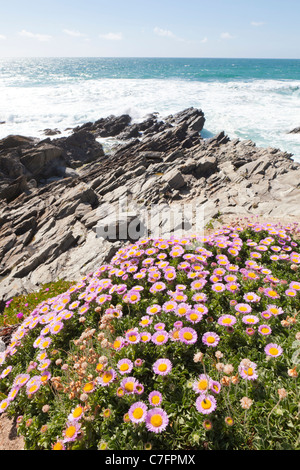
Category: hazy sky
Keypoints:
(150, 28)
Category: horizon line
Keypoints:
(147, 57)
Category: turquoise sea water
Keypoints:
(256, 99)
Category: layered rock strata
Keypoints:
(55, 194)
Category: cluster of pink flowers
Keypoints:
(177, 278)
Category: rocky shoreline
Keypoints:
(52, 190)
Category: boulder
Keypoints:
(79, 148)
(14, 141)
(44, 161)
(174, 179)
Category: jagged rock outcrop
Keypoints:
(49, 223)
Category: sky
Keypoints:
(150, 28)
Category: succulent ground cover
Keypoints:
(188, 343)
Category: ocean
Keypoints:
(257, 99)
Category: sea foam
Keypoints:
(261, 110)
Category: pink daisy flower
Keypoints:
(273, 350)
(264, 330)
(199, 297)
(188, 335)
(227, 320)
(157, 287)
(71, 432)
(210, 339)
(170, 274)
(193, 316)
(295, 285)
(137, 412)
(107, 378)
(200, 308)
(125, 366)
(155, 398)
(132, 336)
(169, 306)
(198, 284)
(156, 420)
(274, 310)
(153, 309)
(215, 386)
(129, 385)
(269, 292)
(145, 321)
(160, 337)
(206, 404)
(250, 319)
(291, 292)
(248, 372)
(218, 287)
(182, 309)
(56, 327)
(202, 384)
(162, 366)
(4, 404)
(145, 337)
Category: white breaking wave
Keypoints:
(261, 110)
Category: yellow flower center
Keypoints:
(153, 310)
(249, 371)
(210, 339)
(124, 367)
(265, 330)
(179, 297)
(144, 338)
(77, 412)
(4, 404)
(273, 351)
(193, 316)
(58, 446)
(160, 338)
(138, 413)
(206, 404)
(107, 377)
(182, 310)
(88, 387)
(70, 431)
(187, 335)
(129, 386)
(132, 338)
(155, 400)
(156, 420)
(117, 344)
(162, 367)
(272, 293)
(32, 389)
(202, 384)
(227, 321)
(134, 297)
